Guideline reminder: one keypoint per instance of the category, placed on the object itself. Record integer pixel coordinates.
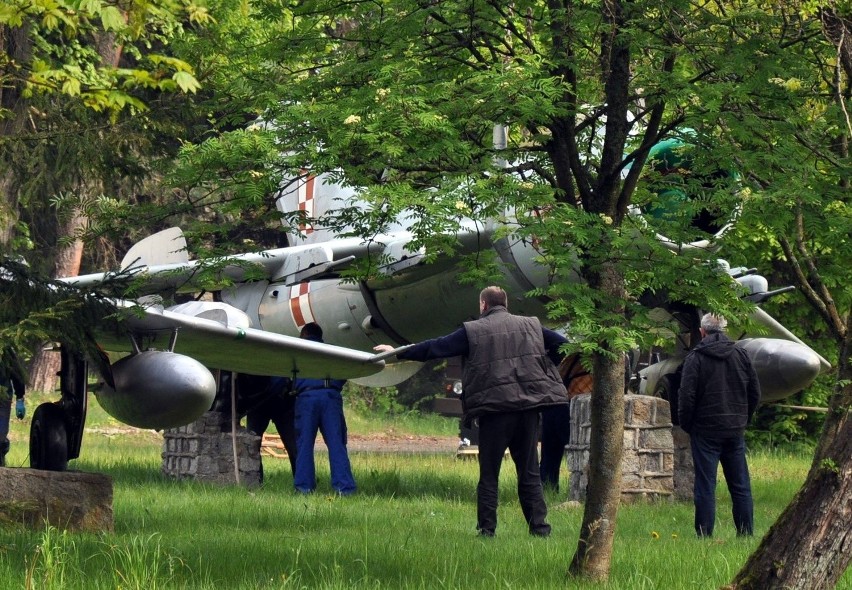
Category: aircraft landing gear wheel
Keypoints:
(49, 439)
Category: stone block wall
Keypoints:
(202, 451)
(577, 449)
(647, 461)
(684, 470)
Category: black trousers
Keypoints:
(517, 431)
(555, 434)
(281, 410)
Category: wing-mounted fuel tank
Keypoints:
(158, 389)
(783, 368)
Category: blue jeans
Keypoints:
(707, 452)
(321, 410)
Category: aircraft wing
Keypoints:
(159, 263)
(216, 344)
(280, 265)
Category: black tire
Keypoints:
(49, 439)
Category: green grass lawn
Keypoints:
(411, 525)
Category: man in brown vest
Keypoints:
(509, 375)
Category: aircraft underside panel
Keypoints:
(403, 305)
(247, 298)
(388, 309)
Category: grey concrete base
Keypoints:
(69, 500)
(647, 464)
(203, 451)
(684, 470)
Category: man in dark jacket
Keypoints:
(270, 399)
(719, 392)
(509, 375)
(11, 386)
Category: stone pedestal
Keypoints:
(648, 456)
(684, 470)
(69, 500)
(203, 451)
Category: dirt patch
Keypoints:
(378, 443)
(111, 431)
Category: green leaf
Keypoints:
(91, 6)
(186, 81)
(71, 86)
(50, 21)
(112, 19)
(11, 15)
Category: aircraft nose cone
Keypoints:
(783, 367)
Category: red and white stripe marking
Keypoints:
(306, 202)
(300, 304)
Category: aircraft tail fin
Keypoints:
(309, 202)
(164, 247)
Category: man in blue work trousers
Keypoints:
(319, 407)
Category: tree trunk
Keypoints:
(44, 367)
(594, 549)
(7, 220)
(45, 364)
(810, 545)
(17, 46)
(44, 370)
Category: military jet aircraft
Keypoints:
(252, 324)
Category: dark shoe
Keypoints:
(484, 533)
(542, 531)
